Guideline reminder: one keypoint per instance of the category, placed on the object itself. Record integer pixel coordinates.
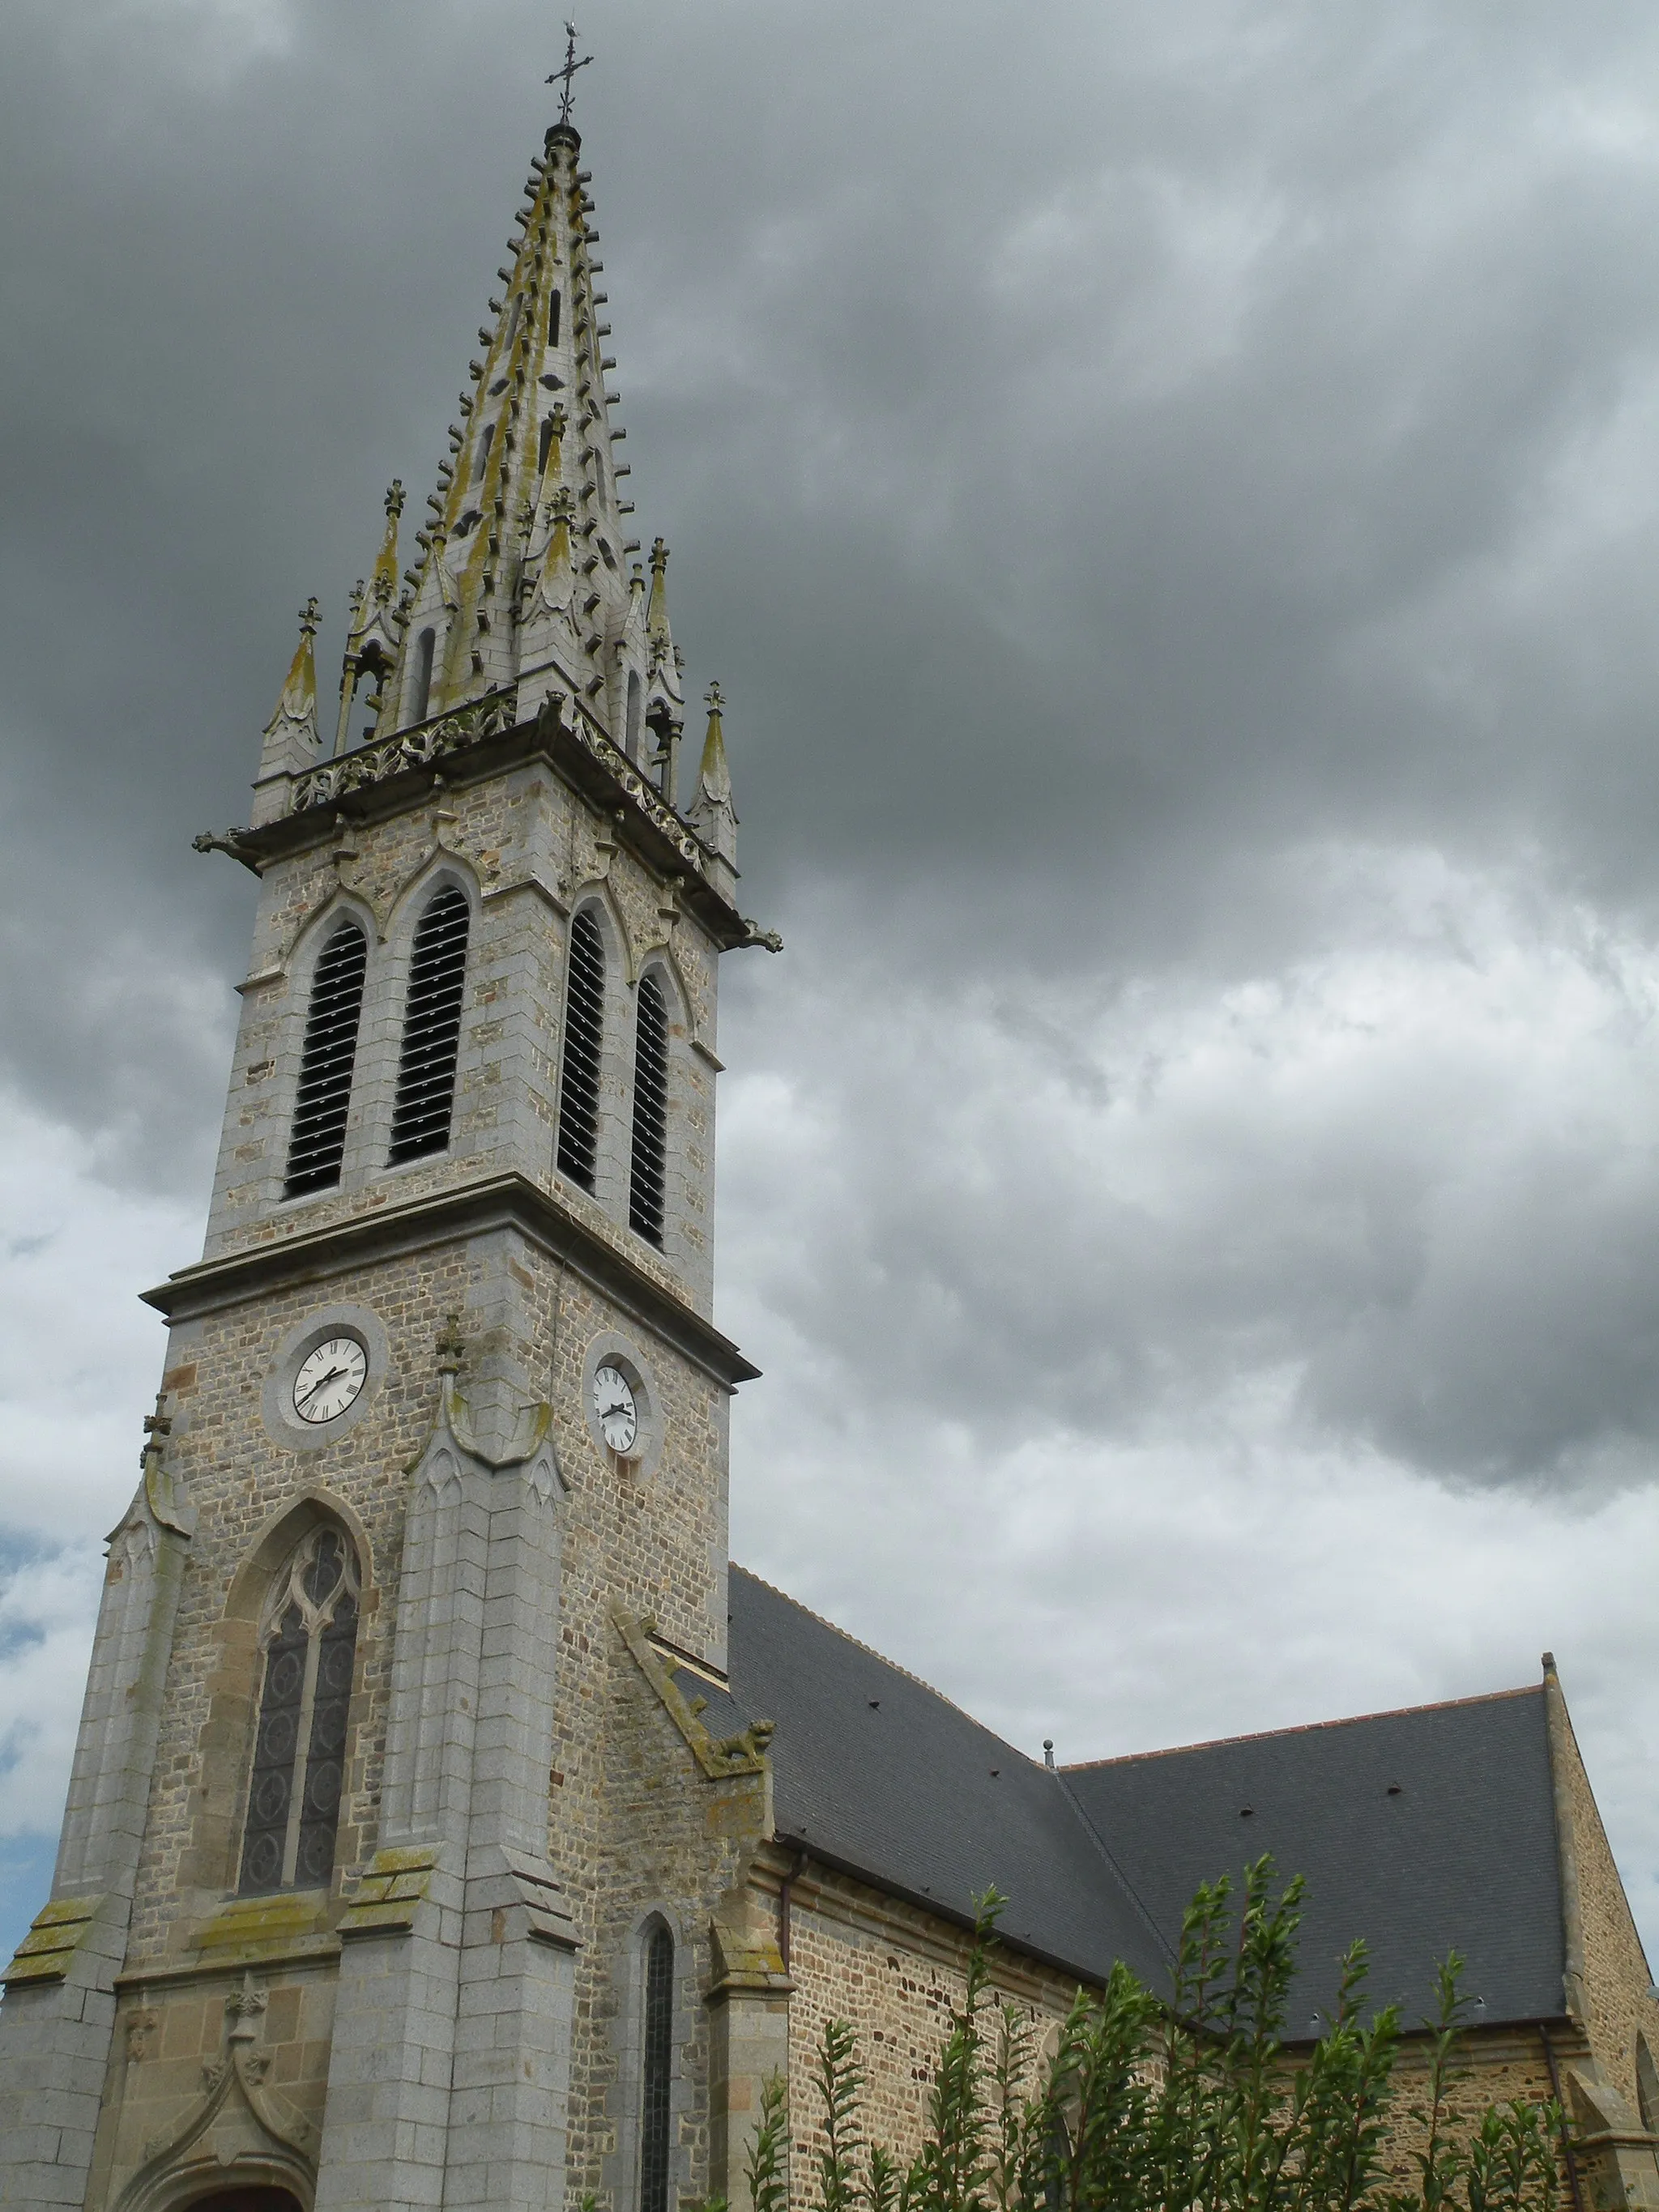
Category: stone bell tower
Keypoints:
(347, 1874)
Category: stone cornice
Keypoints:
(502, 1202)
(480, 739)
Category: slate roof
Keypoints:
(1425, 1831)
(882, 1777)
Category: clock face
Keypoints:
(615, 1408)
(330, 1379)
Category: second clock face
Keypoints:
(615, 1408)
(330, 1379)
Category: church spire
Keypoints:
(522, 577)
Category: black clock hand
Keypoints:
(322, 1383)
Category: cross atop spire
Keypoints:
(566, 74)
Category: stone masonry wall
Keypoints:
(661, 1838)
(1617, 1979)
(528, 851)
(894, 1973)
(652, 1544)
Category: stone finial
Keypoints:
(451, 1345)
(243, 2008)
(383, 589)
(156, 1427)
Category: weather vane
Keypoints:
(571, 65)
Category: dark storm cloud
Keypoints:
(1123, 464)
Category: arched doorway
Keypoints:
(245, 2200)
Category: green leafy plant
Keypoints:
(1195, 2104)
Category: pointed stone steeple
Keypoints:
(711, 813)
(522, 579)
(292, 740)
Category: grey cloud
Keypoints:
(1154, 483)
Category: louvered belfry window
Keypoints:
(309, 1643)
(584, 1038)
(432, 1028)
(317, 1141)
(658, 2057)
(645, 1185)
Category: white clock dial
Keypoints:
(329, 1378)
(615, 1408)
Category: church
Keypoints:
(450, 1824)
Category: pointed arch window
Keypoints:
(584, 1038)
(308, 1644)
(1647, 2086)
(316, 1143)
(553, 320)
(634, 699)
(432, 1027)
(657, 2058)
(650, 1155)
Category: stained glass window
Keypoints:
(658, 2054)
(306, 1649)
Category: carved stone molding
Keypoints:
(237, 2127)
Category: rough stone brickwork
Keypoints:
(1609, 1988)
(894, 1973)
(650, 1546)
(666, 1842)
(527, 852)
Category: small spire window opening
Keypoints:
(485, 441)
(553, 319)
(421, 696)
(316, 1143)
(645, 1182)
(309, 1644)
(632, 746)
(658, 2057)
(584, 1038)
(544, 444)
(432, 1028)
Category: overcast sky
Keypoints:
(1172, 493)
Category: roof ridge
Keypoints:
(892, 1665)
(1303, 1728)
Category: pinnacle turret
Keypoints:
(711, 813)
(292, 740)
